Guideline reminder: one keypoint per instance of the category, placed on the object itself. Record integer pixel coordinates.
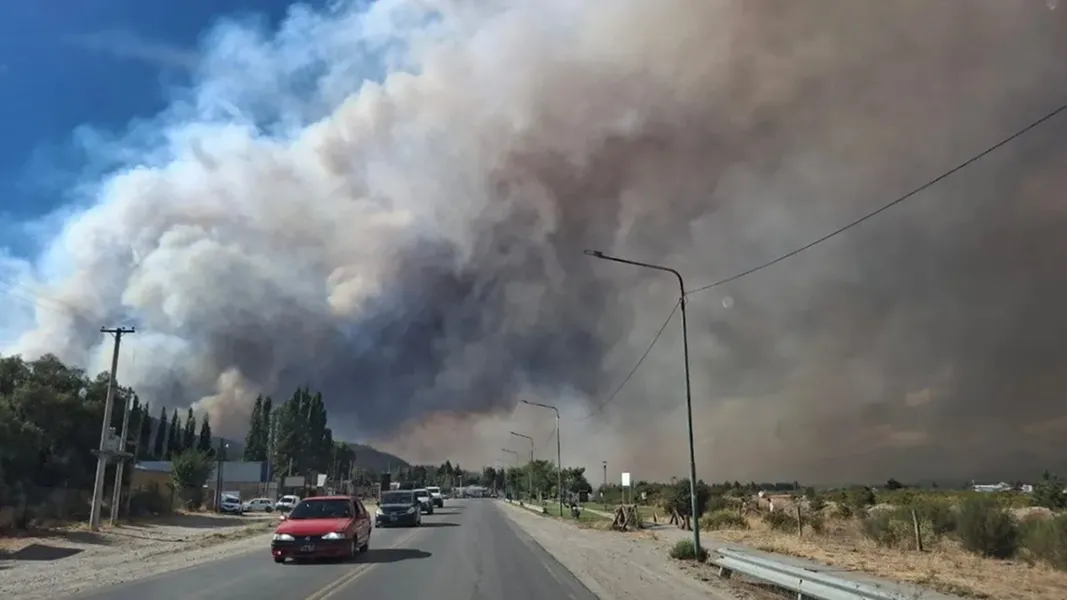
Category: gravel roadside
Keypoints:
(62, 563)
(623, 566)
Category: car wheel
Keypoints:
(279, 559)
(365, 547)
(353, 550)
(270, 510)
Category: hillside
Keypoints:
(376, 460)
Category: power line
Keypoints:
(909, 195)
(636, 366)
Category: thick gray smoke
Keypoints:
(413, 247)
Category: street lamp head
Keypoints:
(596, 253)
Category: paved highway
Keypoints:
(468, 550)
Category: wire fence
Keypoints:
(34, 507)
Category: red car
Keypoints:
(323, 527)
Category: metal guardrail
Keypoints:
(806, 583)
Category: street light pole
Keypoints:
(516, 455)
(688, 384)
(531, 460)
(559, 457)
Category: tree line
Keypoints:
(295, 437)
(542, 475)
(50, 417)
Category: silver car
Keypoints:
(425, 499)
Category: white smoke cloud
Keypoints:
(389, 202)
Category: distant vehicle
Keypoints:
(231, 504)
(259, 505)
(286, 503)
(322, 527)
(398, 507)
(424, 498)
(435, 495)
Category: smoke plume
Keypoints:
(390, 204)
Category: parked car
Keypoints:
(286, 503)
(398, 507)
(259, 505)
(424, 498)
(231, 504)
(435, 495)
(322, 527)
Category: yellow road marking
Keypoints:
(352, 575)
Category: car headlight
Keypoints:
(283, 537)
(411, 510)
(334, 535)
(378, 513)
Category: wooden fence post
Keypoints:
(918, 534)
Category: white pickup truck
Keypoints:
(435, 494)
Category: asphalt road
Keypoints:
(467, 550)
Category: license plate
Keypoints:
(392, 517)
(307, 548)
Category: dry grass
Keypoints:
(944, 566)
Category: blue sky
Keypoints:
(89, 67)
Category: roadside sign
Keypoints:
(625, 480)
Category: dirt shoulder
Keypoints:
(624, 566)
(60, 562)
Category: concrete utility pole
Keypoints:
(136, 453)
(218, 475)
(605, 488)
(116, 494)
(105, 429)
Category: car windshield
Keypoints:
(422, 494)
(397, 498)
(288, 499)
(434, 490)
(230, 499)
(322, 509)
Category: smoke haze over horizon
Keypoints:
(412, 245)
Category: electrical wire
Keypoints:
(636, 366)
(945, 175)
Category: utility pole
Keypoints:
(116, 493)
(218, 476)
(136, 453)
(605, 488)
(105, 429)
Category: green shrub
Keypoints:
(816, 504)
(717, 503)
(723, 519)
(677, 498)
(1046, 540)
(881, 529)
(986, 529)
(686, 550)
(779, 520)
(861, 499)
(844, 511)
(938, 514)
(1049, 493)
(814, 522)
